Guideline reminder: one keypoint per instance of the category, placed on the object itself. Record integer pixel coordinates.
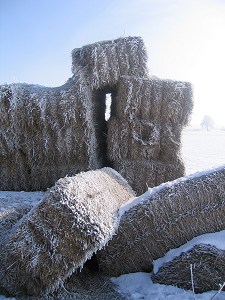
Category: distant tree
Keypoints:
(207, 123)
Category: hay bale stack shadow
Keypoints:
(208, 268)
(77, 217)
(164, 218)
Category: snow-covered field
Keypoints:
(201, 150)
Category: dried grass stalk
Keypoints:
(76, 218)
(169, 216)
(208, 269)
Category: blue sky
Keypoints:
(184, 38)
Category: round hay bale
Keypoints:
(164, 218)
(76, 218)
(208, 269)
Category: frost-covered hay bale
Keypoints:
(139, 98)
(146, 126)
(45, 134)
(76, 218)
(164, 218)
(104, 62)
(208, 269)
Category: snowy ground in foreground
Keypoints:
(139, 286)
(201, 150)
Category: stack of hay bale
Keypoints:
(48, 133)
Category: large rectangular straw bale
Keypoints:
(103, 63)
(47, 129)
(154, 99)
(164, 218)
(177, 102)
(76, 218)
(146, 127)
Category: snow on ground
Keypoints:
(13, 199)
(139, 286)
(203, 149)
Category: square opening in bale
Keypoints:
(104, 108)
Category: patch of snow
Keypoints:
(139, 286)
(202, 149)
(216, 239)
(9, 199)
(30, 196)
(6, 298)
